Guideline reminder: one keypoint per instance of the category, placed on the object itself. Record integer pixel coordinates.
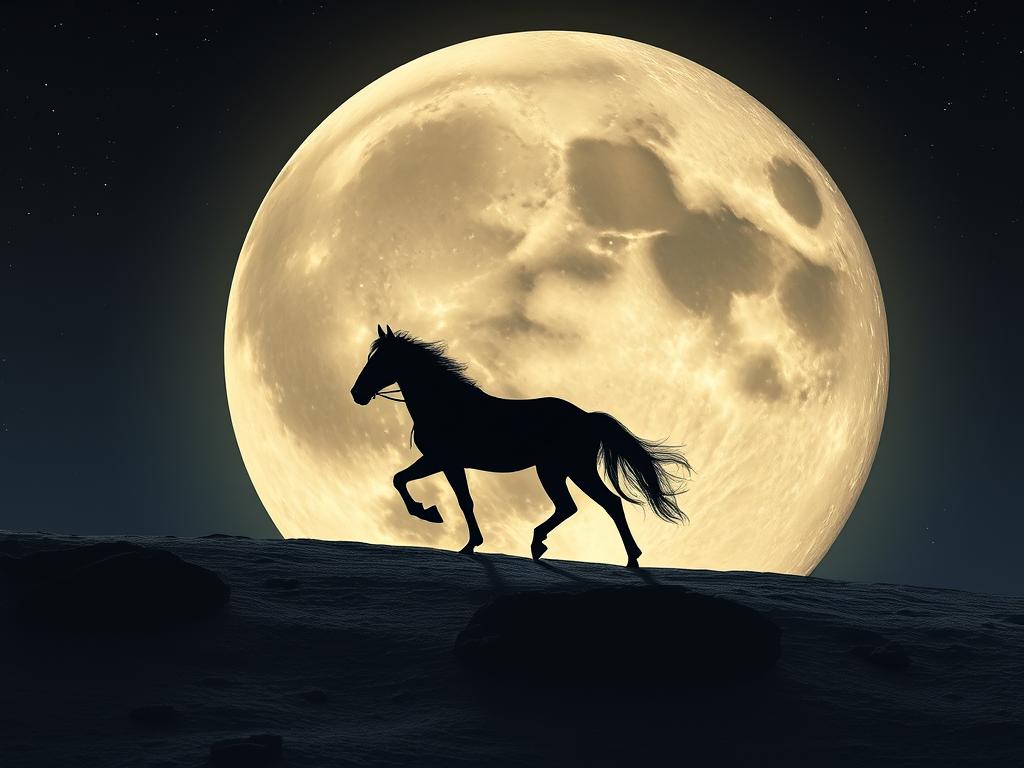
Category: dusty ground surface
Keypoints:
(346, 651)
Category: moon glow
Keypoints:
(581, 216)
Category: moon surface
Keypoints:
(581, 216)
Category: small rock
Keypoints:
(888, 656)
(239, 753)
(315, 696)
(155, 716)
(276, 582)
(261, 749)
(908, 612)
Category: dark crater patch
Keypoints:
(703, 258)
(708, 258)
(795, 191)
(809, 297)
(606, 637)
(621, 186)
(760, 378)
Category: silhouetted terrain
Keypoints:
(337, 653)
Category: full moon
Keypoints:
(580, 216)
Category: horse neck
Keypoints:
(427, 389)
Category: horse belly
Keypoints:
(500, 463)
(531, 432)
(507, 436)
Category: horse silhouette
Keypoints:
(457, 426)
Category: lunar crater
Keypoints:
(795, 191)
(808, 293)
(761, 378)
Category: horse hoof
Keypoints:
(538, 548)
(633, 557)
(430, 514)
(471, 545)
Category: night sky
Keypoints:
(139, 143)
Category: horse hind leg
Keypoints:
(590, 482)
(553, 480)
(457, 480)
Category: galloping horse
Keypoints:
(458, 426)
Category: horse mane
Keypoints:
(430, 353)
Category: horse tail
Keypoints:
(641, 465)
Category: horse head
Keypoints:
(381, 369)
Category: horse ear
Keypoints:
(380, 331)
(391, 334)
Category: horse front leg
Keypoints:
(422, 467)
(457, 479)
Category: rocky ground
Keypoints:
(310, 653)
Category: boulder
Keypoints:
(133, 586)
(620, 636)
(48, 564)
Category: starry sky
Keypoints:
(140, 142)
